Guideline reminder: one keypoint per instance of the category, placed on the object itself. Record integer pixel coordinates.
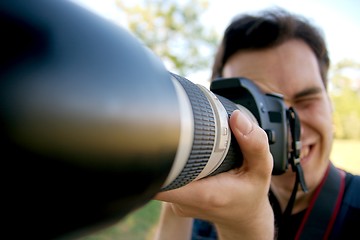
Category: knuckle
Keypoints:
(260, 141)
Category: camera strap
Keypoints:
(320, 216)
(294, 158)
(324, 206)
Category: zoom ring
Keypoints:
(234, 156)
(204, 135)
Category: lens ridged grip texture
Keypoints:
(204, 134)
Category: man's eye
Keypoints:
(304, 103)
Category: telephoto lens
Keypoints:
(93, 125)
(206, 145)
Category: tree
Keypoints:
(173, 30)
(345, 95)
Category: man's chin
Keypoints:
(287, 178)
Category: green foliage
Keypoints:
(345, 155)
(345, 96)
(173, 30)
(140, 224)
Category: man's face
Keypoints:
(292, 70)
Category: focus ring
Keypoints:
(234, 156)
(204, 135)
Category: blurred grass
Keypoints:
(141, 224)
(346, 155)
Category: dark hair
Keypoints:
(268, 29)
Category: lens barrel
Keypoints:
(206, 146)
(213, 149)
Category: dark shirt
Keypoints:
(286, 228)
(347, 224)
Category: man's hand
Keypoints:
(235, 201)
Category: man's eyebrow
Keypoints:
(307, 92)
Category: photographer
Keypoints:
(285, 54)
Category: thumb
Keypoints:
(253, 143)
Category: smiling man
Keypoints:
(292, 70)
(285, 54)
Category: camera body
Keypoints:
(269, 111)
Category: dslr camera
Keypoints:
(206, 145)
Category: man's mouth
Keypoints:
(305, 153)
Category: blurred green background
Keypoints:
(139, 225)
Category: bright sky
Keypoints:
(339, 19)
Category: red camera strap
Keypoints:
(320, 216)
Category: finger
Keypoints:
(184, 194)
(253, 143)
(196, 194)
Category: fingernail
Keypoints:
(243, 123)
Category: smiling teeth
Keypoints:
(304, 152)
